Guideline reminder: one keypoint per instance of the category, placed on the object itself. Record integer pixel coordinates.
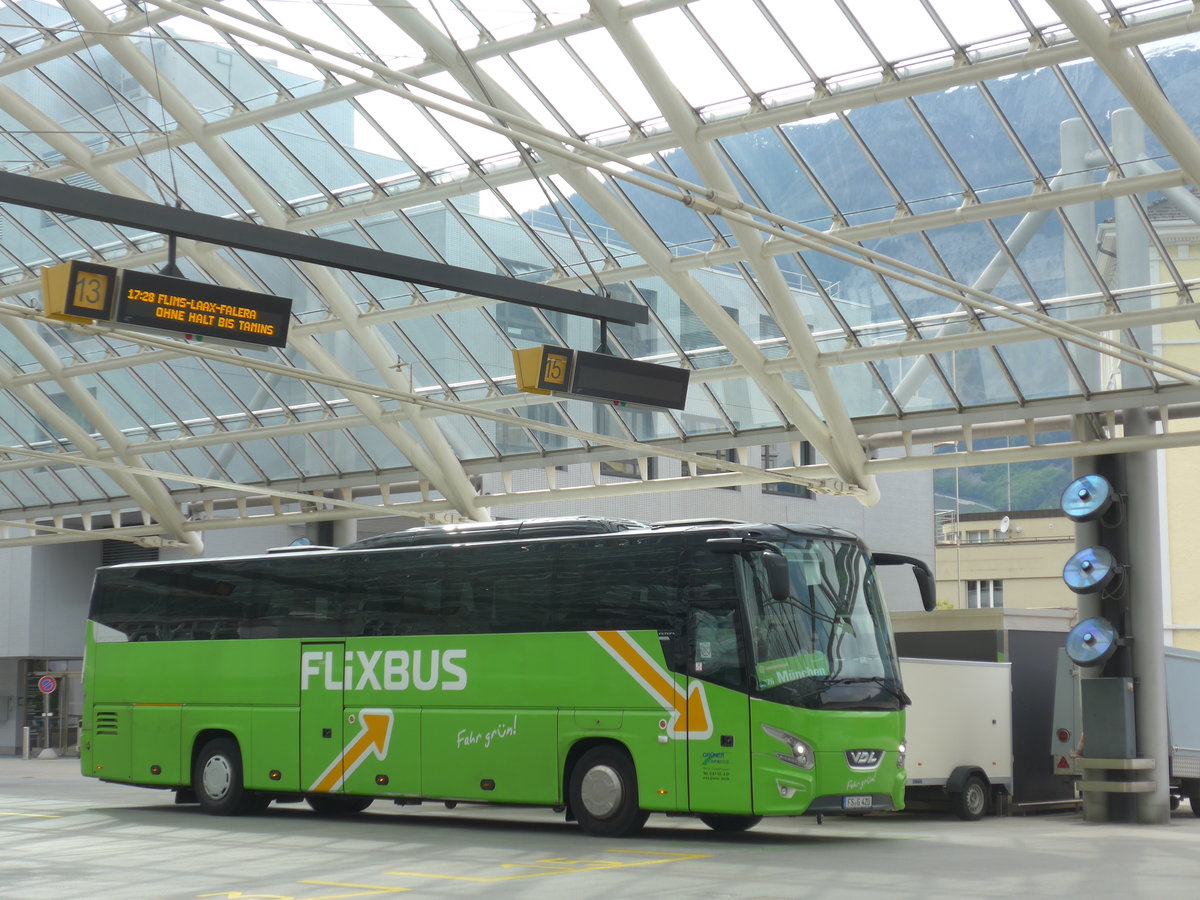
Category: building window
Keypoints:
(985, 594)
(521, 323)
(638, 340)
(113, 552)
(629, 468)
(694, 334)
(768, 330)
(776, 455)
(511, 438)
(725, 455)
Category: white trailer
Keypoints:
(1182, 671)
(1183, 723)
(959, 733)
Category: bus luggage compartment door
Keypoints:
(322, 669)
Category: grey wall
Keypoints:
(60, 583)
(14, 602)
(10, 740)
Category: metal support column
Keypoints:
(1142, 523)
(1145, 616)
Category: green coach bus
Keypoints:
(726, 671)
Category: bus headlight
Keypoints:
(800, 752)
(901, 753)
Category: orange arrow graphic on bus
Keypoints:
(372, 739)
(689, 715)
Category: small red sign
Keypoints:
(47, 684)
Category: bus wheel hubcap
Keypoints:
(216, 777)
(602, 791)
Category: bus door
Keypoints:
(322, 668)
(718, 709)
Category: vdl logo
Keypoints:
(863, 759)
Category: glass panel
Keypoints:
(692, 66)
(825, 37)
(899, 29)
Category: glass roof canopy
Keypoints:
(868, 225)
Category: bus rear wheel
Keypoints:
(730, 823)
(337, 805)
(604, 795)
(217, 781)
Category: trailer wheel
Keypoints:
(604, 795)
(730, 823)
(217, 781)
(1194, 797)
(971, 803)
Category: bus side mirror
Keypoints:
(778, 578)
(775, 563)
(926, 588)
(926, 585)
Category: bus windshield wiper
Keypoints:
(808, 609)
(815, 685)
(883, 683)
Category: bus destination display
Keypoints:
(177, 305)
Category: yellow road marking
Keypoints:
(362, 890)
(368, 890)
(559, 866)
(30, 815)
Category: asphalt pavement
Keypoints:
(63, 835)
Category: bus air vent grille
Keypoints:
(106, 723)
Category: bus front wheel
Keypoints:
(729, 823)
(604, 794)
(217, 781)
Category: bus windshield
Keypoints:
(828, 645)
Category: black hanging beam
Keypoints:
(64, 199)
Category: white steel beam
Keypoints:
(840, 448)
(438, 460)
(1134, 79)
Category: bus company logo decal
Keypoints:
(372, 739)
(689, 717)
(390, 670)
(715, 766)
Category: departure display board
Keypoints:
(629, 381)
(92, 293)
(598, 376)
(146, 300)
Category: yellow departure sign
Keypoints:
(79, 291)
(86, 292)
(598, 376)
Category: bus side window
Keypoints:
(458, 609)
(716, 645)
(715, 637)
